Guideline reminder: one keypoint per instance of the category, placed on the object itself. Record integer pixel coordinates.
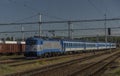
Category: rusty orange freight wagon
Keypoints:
(12, 47)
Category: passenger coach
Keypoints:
(46, 47)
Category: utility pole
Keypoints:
(40, 19)
(105, 30)
(97, 38)
(22, 30)
(72, 31)
(69, 30)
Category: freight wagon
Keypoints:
(12, 47)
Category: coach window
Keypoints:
(79, 44)
(66, 44)
(76, 44)
(71, 44)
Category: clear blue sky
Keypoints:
(16, 10)
(12, 10)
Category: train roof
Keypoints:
(13, 42)
(41, 39)
(65, 40)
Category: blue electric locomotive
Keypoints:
(46, 47)
(39, 47)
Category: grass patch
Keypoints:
(11, 56)
(5, 69)
(117, 73)
(40, 62)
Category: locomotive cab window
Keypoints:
(31, 42)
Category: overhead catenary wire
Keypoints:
(26, 18)
(97, 9)
(47, 22)
(59, 30)
(54, 17)
(37, 11)
(72, 21)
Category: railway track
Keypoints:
(97, 68)
(10, 57)
(22, 60)
(51, 59)
(12, 60)
(61, 69)
(16, 61)
(54, 58)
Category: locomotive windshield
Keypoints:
(31, 42)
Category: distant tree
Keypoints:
(8, 38)
(12, 38)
